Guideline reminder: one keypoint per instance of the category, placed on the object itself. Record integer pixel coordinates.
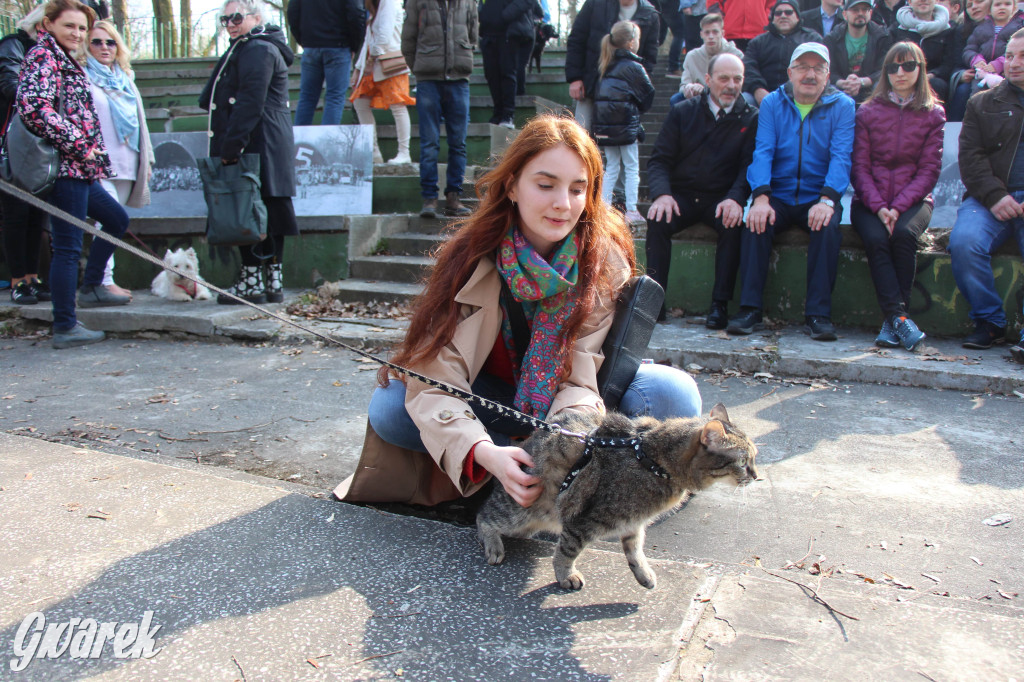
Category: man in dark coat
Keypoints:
(857, 48)
(698, 174)
(824, 19)
(991, 158)
(501, 53)
(583, 49)
(329, 31)
(767, 56)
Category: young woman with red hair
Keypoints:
(564, 255)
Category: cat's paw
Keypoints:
(573, 581)
(646, 578)
(494, 550)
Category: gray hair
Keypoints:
(247, 7)
(29, 22)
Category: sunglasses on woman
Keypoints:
(908, 67)
(233, 19)
(99, 42)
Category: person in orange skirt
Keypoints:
(375, 91)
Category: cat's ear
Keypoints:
(718, 412)
(712, 433)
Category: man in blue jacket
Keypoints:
(801, 168)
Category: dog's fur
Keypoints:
(544, 33)
(175, 287)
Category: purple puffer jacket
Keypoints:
(897, 155)
(47, 76)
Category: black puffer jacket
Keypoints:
(767, 56)
(594, 21)
(941, 51)
(622, 95)
(327, 23)
(12, 52)
(250, 107)
(497, 17)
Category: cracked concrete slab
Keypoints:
(776, 631)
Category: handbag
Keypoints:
(636, 314)
(28, 161)
(391, 64)
(235, 212)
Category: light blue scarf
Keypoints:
(124, 106)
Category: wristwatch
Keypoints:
(828, 202)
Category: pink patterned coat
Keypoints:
(48, 74)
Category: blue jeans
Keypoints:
(822, 258)
(82, 199)
(656, 391)
(320, 65)
(450, 100)
(976, 234)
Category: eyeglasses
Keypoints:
(234, 19)
(820, 69)
(908, 67)
(99, 42)
(784, 12)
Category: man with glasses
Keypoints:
(992, 168)
(800, 169)
(328, 31)
(767, 55)
(857, 49)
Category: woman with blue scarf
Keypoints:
(122, 122)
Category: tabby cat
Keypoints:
(618, 493)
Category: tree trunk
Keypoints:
(119, 14)
(165, 30)
(185, 15)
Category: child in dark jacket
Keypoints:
(987, 45)
(624, 91)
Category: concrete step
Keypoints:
(414, 243)
(404, 269)
(370, 290)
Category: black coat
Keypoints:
(250, 107)
(12, 52)
(878, 45)
(594, 21)
(883, 16)
(327, 23)
(695, 154)
(622, 95)
(501, 18)
(766, 58)
(812, 19)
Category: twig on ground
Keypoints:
(239, 668)
(810, 548)
(368, 658)
(810, 589)
(184, 440)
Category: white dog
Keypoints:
(175, 287)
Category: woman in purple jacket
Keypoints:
(897, 157)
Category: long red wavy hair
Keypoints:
(600, 230)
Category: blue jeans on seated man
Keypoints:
(976, 234)
(656, 391)
(450, 100)
(323, 65)
(822, 257)
(82, 199)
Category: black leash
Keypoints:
(496, 407)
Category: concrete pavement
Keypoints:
(120, 493)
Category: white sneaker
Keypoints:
(400, 159)
(634, 218)
(508, 124)
(377, 158)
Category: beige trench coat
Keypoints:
(448, 427)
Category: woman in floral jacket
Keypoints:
(55, 102)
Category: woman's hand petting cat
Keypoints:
(504, 464)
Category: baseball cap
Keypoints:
(850, 4)
(809, 48)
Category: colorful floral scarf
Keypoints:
(547, 291)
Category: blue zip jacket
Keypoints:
(799, 161)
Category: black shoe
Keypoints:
(40, 290)
(820, 328)
(22, 294)
(748, 321)
(718, 316)
(1017, 353)
(984, 336)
